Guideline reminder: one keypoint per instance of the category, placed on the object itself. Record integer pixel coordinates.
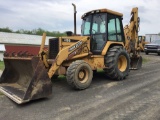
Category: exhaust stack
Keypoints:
(74, 18)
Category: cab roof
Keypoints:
(102, 11)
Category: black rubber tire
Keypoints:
(146, 53)
(158, 53)
(111, 62)
(94, 72)
(73, 73)
(54, 77)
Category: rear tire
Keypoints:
(117, 63)
(94, 73)
(54, 77)
(79, 75)
(146, 53)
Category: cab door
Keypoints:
(98, 33)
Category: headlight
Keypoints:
(145, 47)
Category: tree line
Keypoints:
(38, 31)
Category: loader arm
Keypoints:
(132, 44)
(65, 54)
(42, 53)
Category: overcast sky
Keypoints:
(57, 15)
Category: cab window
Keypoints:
(115, 29)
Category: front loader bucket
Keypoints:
(25, 79)
(136, 63)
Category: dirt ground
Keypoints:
(135, 98)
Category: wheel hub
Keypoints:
(83, 75)
(122, 63)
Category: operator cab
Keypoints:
(141, 39)
(102, 25)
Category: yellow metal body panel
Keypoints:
(110, 43)
(95, 61)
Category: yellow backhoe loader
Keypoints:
(104, 44)
(142, 42)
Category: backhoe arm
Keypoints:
(65, 54)
(132, 44)
(131, 33)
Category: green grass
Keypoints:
(1, 65)
(145, 60)
(61, 76)
(100, 70)
(1, 94)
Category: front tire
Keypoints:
(54, 77)
(79, 75)
(146, 53)
(117, 63)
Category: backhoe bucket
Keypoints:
(136, 63)
(25, 79)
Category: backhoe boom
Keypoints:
(131, 40)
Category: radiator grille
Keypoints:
(53, 48)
